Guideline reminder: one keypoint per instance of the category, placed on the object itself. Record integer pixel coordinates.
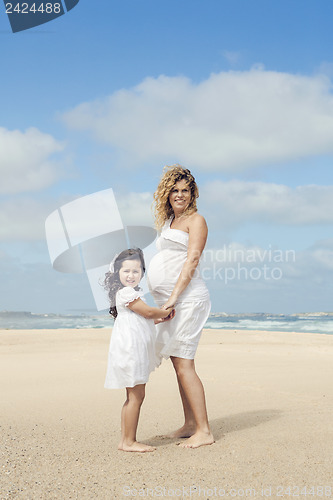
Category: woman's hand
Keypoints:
(170, 304)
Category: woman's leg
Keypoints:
(194, 402)
(189, 427)
(130, 418)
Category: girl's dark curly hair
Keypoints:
(112, 281)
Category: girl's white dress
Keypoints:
(132, 346)
(180, 336)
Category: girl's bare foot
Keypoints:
(198, 439)
(138, 447)
(184, 432)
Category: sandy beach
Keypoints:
(270, 404)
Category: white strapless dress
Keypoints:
(180, 336)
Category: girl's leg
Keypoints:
(130, 418)
(194, 397)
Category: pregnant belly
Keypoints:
(162, 275)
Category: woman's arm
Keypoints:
(198, 231)
(140, 307)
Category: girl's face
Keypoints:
(130, 273)
(180, 196)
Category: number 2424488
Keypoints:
(23, 8)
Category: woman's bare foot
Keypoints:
(198, 439)
(184, 432)
(138, 447)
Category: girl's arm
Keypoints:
(140, 307)
(198, 232)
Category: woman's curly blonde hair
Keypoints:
(161, 205)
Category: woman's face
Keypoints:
(180, 196)
(130, 273)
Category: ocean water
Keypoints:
(318, 322)
(22, 320)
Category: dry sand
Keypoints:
(270, 405)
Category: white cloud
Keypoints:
(237, 202)
(25, 163)
(231, 121)
(254, 268)
(322, 253)
(231, 56)
(23, 218)
(229, 205)
(135, 208)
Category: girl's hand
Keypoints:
(171, 315)
(167, 318)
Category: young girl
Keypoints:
(132, 347)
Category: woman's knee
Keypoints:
(137, 393)
(183, 367)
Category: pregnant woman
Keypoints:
(174, 281)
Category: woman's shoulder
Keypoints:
(196, 221)
(195, 216)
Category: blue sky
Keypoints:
(239, 92)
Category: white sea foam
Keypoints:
(318, 322)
